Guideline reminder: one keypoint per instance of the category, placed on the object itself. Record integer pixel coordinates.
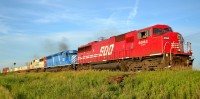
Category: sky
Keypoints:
(34, 28)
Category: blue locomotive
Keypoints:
(63, 58)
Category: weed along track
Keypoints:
(91, 84)
(4, 93)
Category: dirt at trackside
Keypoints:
(118, 78)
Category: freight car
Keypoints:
(5, 70)
(151, 48)
(21, 68)
(37, 63)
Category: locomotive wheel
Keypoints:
(135, 66)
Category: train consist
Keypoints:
(54, 62)
(151, 48)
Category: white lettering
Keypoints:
(106, 50)
(142, 43)
(111, 49)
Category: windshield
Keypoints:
(159, 31)
(166, 30)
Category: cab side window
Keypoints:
(67, 55)
(144, 34)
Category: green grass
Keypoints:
(95, 84)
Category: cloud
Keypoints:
(59, 16)
(4, 28)
(57, 12)
(87, 16)
(4, 31)
(133, 13)
(46, 3)
(110, 21)
(14, 37)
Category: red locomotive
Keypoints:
(151, 48)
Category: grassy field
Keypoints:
(101, 84)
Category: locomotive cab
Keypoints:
(173, 48)
(171, 40)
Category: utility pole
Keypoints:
(14, 66)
